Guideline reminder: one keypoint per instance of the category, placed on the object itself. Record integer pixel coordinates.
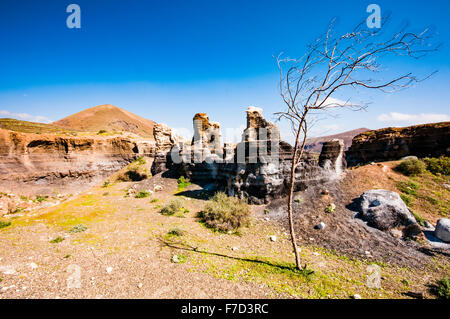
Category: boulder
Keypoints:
(385, 210)
(442, 230)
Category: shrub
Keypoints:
(154, 200)
(183, 183)
(225, 213)
(172, 207)
(411, 167)
(442, 288)
(140, 161)
(419, 218)
(106, 184)
(40, 198)
(142, 194)
(176, 232)
(56, 240)
(101, 132)
(4, 224)
(439, 165)
(78, 228)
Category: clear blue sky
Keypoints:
(166, 60)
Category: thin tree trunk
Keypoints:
(291, 198)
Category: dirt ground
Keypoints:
(349, 235)
(126, 250)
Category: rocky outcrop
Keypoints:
(206, 133)
(428, 140)
(165, 138)
(49, 160)
(33, 163)
(442, 230)
(258, 167)
(386, 211)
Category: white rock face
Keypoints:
(384, 210)
(252, 109)
(442, 230)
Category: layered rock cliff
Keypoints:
(40, 163)
(428, 140)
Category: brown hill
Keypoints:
(315, 144)
(109, 118)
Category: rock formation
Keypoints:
(258, 167)
(46, 161)
(386, 211)
(49, 160)
(428, 140)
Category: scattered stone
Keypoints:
(409, 158)
(320, 226)
(316, 253)
(176, 259)
(234, 248)
(140, 285)
(7, 270)
(356, 296)
(442, 230)
(33, 265)
(447, 186)
(158, 188)
(325, 192)
(396, 233)
(273, 238)
(109, 270)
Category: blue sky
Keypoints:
(166, 60)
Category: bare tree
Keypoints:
(335, 64)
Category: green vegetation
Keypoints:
(31, 127)
(441, 289)
(411, 167)
(179, 259)
(172, 207)
(182, 183)
(176, 232)
(298, 200)
(408, 187)
(420, 220)
(142, 194)
(330, 209)
(439, 165)
(154, 200)
(140, 160)
(407, 199)
(136, 171)
(4, 224)
(40, 198)
(78, 228)
(102, 132)
(106, 184)
(56, 240)
(225, 213)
